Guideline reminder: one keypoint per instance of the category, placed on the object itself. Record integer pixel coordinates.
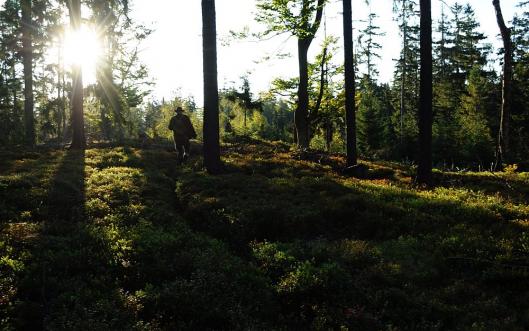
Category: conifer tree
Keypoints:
(27, 55)
(350, 88)
(211, 90)
(78, 138)
(424, 161)
(369, 47)
(505, 113)
(406, 76)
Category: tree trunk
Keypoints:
(502, 153)
(59, 86)
(27, 54)
(301, 116)
(211, 91)
(403, 73)
(424, 170)
(350, 111)
(78, 138)
(108, 89)
(314, 112)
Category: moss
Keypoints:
(121, 238)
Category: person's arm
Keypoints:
(171, 124)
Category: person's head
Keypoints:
(179, 110)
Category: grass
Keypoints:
(119, 238)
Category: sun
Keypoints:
(83, 48)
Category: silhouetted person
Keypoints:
(182, 131)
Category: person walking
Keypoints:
(183, 130)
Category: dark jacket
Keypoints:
(182, 127)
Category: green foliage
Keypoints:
(99, 239)
(294, 17)
(473, 135)
(374, 120)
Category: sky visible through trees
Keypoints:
(176, 44)
(158, 172)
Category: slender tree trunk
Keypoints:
(63, 97)
(301, 116)
(27, 54)
(314, 112)
(502, 153)
(59, 86)
(424, 171)
(15, 95)
(78, 138)
(403, 73)
(211, 90)
(350, 111)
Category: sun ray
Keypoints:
(83, 48)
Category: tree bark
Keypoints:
(403, 73)
(502, 152)
(424, 170)
(302, 111)
(211, 91)
(314, 112)
(301, 115)
(78, 138)
(350, 111)
(27, 54)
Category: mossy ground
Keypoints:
(123, 239)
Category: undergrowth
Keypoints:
(120, 238)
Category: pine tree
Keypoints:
(369, 46)
(374, 115)
(350, 88)
(406, 77)
(27, 55)
(211, 94)
(78, 138)
(503, 144)
(520, 101)
(466, 45)
(474, 143)
(424, 160)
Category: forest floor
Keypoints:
(123, 239)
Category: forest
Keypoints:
(331, 201)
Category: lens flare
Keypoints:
(83, 48)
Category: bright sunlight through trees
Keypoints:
(84, 48)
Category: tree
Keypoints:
(465, 47)
(519, 132)
(280, 16)
(473, 143)
(424, 170)
(78, 138)
(27, 54)
(502, 153)
(369, 47)
(211, 91)
(350, 116)
(406, 82)
(11, 122)
(244, 98)
(459, 52)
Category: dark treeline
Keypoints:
(38, 95)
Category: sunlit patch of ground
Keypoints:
(121, 239)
